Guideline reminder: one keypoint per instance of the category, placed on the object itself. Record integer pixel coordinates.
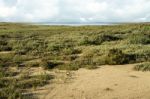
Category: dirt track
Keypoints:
(107, 82)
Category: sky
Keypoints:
(74, 10)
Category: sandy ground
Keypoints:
(107, 82)
(6, 52)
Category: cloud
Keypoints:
(75, 10)
(28, 10)
(6, 10)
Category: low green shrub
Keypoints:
(13, 87)
(6, 57)
(5, 48)
(86, 41)
(9, 89)
(55, 47)
(84, 60)
(115, 57)
(138, 39)
(11, 92)
(2, 64)
(33, 64)
(3, 42)
(17, 59)
(70, 66)
(70, 57)
(143, 67)
(70, 51)
(98, 39)
(91, 66)
(58, 46)
(46, 64)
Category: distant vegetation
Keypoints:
(67, 47)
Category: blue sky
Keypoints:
(75, 10)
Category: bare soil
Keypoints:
(106, 82)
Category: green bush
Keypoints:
(91, 66)
(9, 89)
(5, 48)
(3, 42)
(70, 57)
(84, 60)
(6, 57)
(10, 93)
(46, 64)
(70, 66)
(85, 41)
(55, 47)
(139, 39)
(98, 39)
(59, 45)
(2, 64)
(33, 64)
(14, 87)
(143, 67)
(115, 57)
(70, 51)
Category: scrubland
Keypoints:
(25, 46)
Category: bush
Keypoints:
(21, 52)
(139, 39)
(84, 60)
(58, 46)
(5, 48)
(91, 66)
(85, 41)
(100, 60)
(6, 57)
(9, 89)
(32, 64)
(10, 93)
(98, 39)
(105, 37)
(143, 67)
(44, 64)
(115, 57)
(49, 64)
(55, 47)
(2, 64)
(70, 51)
(70, 66)
(4, 43)
(69, 57)
(17, 59)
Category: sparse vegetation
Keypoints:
(66, 47)
(12, 85)
(143, 67)
(139, 38)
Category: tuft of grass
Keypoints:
(143, 67)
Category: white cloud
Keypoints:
(36, 9)
(5, 10)
(74, 10)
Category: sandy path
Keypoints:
(6, 52)
(107, 82)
